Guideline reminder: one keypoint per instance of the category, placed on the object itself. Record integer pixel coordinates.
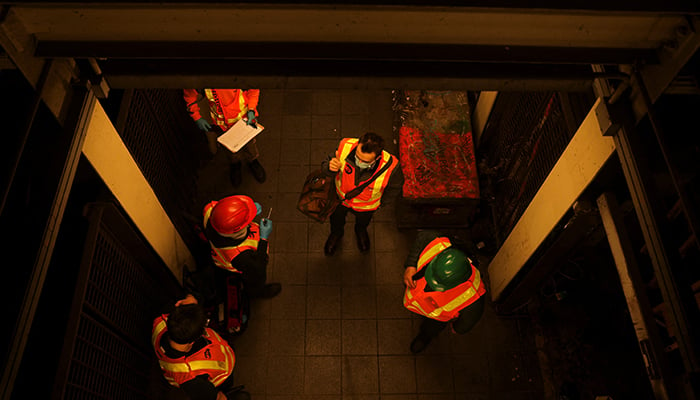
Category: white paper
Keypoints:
(238, 135)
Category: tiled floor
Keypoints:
(338, 330)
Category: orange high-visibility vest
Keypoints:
(442, 306)
(216, 360)
(226, 106)
(223, 256)
(371, 196)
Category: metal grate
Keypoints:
(157, 132)
(122, 287)
(528, 134)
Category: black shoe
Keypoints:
(235, 174)
(331, 244)
(362, 240)
(258, 171)
(420, 343)
(268, 291)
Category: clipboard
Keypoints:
(238, 135)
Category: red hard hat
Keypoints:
(233, 213)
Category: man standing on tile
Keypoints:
(193, 357)
(442, 285)
(224, 107)
(357, 162)
(238, 244)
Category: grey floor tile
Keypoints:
(289, 237)
(326, 102)
(361, 397)
(287, 337)
(502, 333)
(289, 268)
(357, 269)
(389, 268)
(358, 302)
(321, 149)
(323, 337)
(394, 336)
(325, 127)
(397, 374)
(295, 151)
(296, 126)
(318, 234)
(471, 374)
(436, 396)
(355, 102)
(255, 340)
(359, 336)
(271, 101)
(390, 239)
(290, 303)
(472, 342)
(260, 309)
(360, 374)
(386, 211)
(399, 397)
(286, 209)
(322, 375)
(323, 302)
(297, 102)
(272, 122)
(285, 375)
(294, 177)
(251, 371)
(323, 270)
(355, 126)
(390, 301)
(434, 374)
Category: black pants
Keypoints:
(468, 317)
(362, 219)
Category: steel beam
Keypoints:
(638, 304)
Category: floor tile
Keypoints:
(255, 340)
(270, 101)
(322, 270)
(295, 151)
(355, 102)
(397, 374)
(395, 336)
(436, 396)
(325, 127)
(390, 301)
(294, 177)
(471, 374)
(318, 234)
(289, 268)
(321, 149)
(354, 126)
(323, 337)
(286, 209)
(289, 237)
(434, 374)
(297, 102)
(359, 336)
(287, 337)
(296, 127)
(251, 371)
(360, 374)
(322, 375)
(323, 302)
(326, 102)
(285, 375)
(389, 267)
(358, 302)
(290, 303)
(357, 269)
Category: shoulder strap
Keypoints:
(356, 191)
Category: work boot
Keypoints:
(258, 171)
(420, 343)
(332, 243)
(268, 291)
(362, 239)
(235, 174)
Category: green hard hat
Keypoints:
(448, 269)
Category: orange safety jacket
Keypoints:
(223, 256)
(370, 198)
(226, 106)
(216, 360)
(442, 306)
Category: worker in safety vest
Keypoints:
(442, 285)
(192, 356)
(358, 161)
(238, 244)
(223, 108)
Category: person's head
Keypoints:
(370, 147)
(186, 323)
(448, 270)
(232, 215)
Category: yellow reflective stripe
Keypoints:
(378, 183)
(207, 215)
(179, 367)
(220, 259)
(158, 329)
(227, 367)
(428, 255)
(212, 365)
(464, 297)
(417, 306)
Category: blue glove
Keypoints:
(258, 207)
(202, 124)
(251, 117)
(265, 228)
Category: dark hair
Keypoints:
(372, 143)
(186, 323)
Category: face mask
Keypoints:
(361, 164)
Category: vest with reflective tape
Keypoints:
(216, 360)
(371, 196)
(226, 110)
(223, 256)
(442, 306)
